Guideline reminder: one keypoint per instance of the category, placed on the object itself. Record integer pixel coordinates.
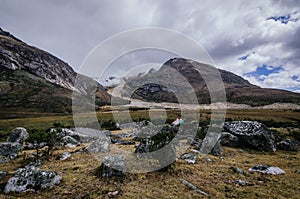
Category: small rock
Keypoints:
(241, 182)
(208, 160)
(18, 135)
(114, 194)
(240, 150)
(237, 170)
(189, 157)
(288, 145)
(266, 169)
(297, 171)
(2, 174)
(192, 186)
(65, 155)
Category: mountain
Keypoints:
(31, 78)
(150, 87)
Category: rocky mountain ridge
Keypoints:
(238, 90)
(29, 76)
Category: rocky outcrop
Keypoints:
(252, 134)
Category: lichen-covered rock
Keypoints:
(18, 135)
(10, 149)
(252, 134)
(266, 169)
(101, 145)
(31, 180)
(113, 166)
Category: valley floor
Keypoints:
(213, 176)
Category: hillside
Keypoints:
(238, 90)
(33, 78)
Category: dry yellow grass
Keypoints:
(215, 178)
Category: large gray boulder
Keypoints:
(252, 134)
(113, 165)
(31, 180)
(10, 149)
(18, 135)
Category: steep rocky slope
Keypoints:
(33, 78)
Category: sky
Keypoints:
(258, 40)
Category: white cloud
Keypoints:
(228, 30)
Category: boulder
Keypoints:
(31, 180)
(83, 135)
(10, 149)
(266, 169)
(113, 165)
(101, 145)
(252, 134)
(18, 135)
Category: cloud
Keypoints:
(239, 36)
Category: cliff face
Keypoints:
(29, 74)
